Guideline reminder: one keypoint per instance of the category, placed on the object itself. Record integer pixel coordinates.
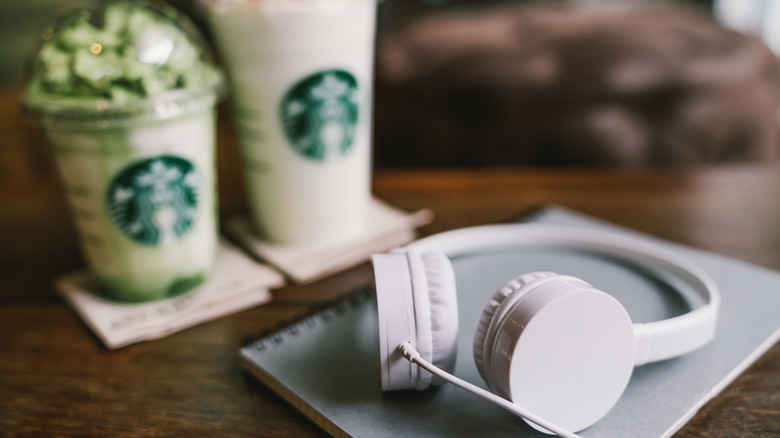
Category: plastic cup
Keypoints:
(140, 180)
(301, 73)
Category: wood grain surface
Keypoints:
(57, 380)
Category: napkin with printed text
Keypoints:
(237, 283)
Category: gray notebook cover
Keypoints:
(327, 365)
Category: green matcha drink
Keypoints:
(126, 94)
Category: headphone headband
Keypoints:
(654, 341)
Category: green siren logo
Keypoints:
(154, 201)
(320, 113)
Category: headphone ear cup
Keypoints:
(417, 303)
(435, 313)
(442, 295)
(561, 349)
(486, 316)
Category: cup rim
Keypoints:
(55, 112)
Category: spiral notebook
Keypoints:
(327, 366)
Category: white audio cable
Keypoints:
(411, 354)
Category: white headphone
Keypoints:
(553, 349)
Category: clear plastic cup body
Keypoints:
(143, 201)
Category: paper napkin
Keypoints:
(388, 227)
(237, 283)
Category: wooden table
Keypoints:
(57, 380)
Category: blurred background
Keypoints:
(534, 83)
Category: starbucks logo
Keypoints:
(320, 113)
(154, 201)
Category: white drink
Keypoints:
(302, 78)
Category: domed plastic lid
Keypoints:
(117, 62)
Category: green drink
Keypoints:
(126, 95)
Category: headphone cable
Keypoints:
(413, 356)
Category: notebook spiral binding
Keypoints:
(319, 314)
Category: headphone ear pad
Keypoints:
(417, 303)
(442, 296)
(483, 324)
